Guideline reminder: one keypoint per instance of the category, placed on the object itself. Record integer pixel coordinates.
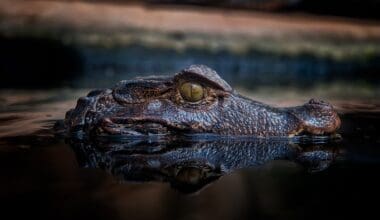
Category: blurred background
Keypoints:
(331, 47)
(282, 52)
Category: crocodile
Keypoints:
(196, 100)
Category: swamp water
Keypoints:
(45, 176)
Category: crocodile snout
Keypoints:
(317, 117)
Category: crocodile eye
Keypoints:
(191, 92)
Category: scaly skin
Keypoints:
(154, 105)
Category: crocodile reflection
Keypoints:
(190, 165)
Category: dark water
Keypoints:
(47, 177)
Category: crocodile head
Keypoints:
(195, 100)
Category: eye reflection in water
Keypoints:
(191, 164)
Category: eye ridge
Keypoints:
(191, 91)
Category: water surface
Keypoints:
(47, 177)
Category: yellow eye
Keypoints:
(191, 92)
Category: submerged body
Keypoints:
(195, 100)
